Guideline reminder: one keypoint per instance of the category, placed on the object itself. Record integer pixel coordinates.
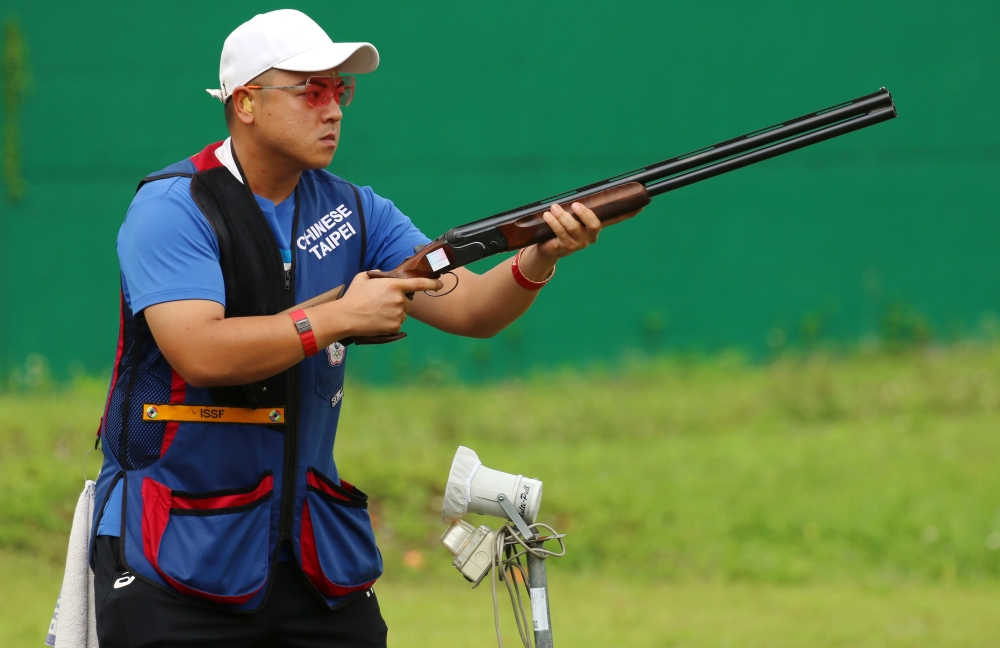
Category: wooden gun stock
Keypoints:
(611, 206)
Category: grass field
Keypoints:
(814, 501)
(604, 611)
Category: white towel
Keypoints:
(74, 623)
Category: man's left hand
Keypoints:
(572, 233)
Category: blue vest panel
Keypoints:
(206, 505)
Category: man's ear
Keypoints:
(243, 105)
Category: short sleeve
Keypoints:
(167, 250)
(391, 235)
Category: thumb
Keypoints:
(360, 278)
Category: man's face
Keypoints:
(285, 123)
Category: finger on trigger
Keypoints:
(431, 284)
(420, 284)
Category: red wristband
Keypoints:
(523, 281)
(305, 330)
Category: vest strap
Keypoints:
(212, 414)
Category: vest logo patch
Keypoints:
(336, 398)
(326, 234)
(335, 353)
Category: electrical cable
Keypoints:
(508, 549)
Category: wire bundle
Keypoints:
(508, 549)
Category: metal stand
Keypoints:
(539, 586)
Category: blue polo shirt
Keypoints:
(167, 251)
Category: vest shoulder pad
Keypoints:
(201, 161)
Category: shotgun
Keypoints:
(622, 196)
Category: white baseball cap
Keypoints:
(286, 39)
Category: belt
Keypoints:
(212, 414)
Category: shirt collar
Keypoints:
(225, 155)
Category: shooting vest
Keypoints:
(215, 479)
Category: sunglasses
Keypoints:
(320, 90)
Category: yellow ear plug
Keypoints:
(246, 105)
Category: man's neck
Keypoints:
(269, 177)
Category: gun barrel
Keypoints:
(878, 101)
(719, 158)
(768, 152)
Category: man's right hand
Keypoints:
(208, 349)
(370, 307)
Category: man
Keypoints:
(221, 516)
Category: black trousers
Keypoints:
(132, 613)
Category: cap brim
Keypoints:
(353, 58)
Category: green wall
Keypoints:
(478, 107)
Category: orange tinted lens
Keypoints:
(319, 90)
